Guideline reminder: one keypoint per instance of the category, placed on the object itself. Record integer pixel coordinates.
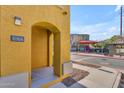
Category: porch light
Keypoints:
(17, 20)
(65, 13)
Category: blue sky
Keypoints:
(100, 21)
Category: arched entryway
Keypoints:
(45, 47)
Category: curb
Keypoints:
(99, 56)
(117, 81)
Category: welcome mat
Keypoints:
(76, 76)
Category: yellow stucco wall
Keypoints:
(0, 41)
(39, 51)
(16, 56)
(50, 52)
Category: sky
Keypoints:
(99, 21)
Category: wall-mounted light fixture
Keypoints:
(64, 12)
(17, 20)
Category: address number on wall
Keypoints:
(15, 38)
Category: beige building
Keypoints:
(76, 38)
(117, 46)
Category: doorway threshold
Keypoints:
(42, 76)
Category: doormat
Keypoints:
(76, 76)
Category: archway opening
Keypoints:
(45, 55)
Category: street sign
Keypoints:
(15, 38)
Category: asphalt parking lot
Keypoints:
(109, 62)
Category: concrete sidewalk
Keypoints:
(103, 77)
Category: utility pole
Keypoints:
(121, 15)
(121, 21)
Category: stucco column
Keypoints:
(50, 36)
(57, 55)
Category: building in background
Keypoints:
(75, 39)
(86, 45)
(116, 47)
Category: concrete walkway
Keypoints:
(103, 77)
(98, 78)
(42, 76)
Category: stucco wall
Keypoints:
(16, 56)
(19, 80)
(39, 51)
(0, 41)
